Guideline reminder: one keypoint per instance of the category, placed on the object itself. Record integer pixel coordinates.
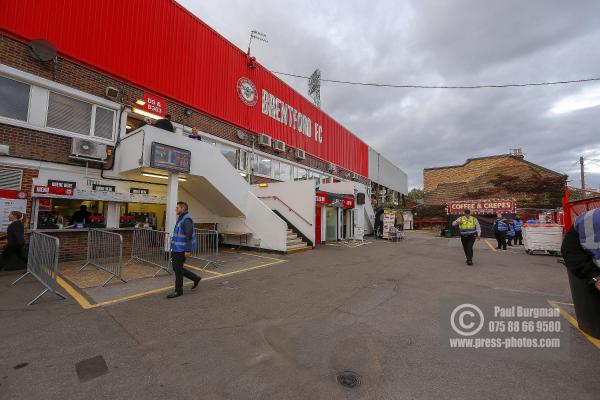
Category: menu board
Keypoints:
(170, 158)
(8, 205)
(389, 219)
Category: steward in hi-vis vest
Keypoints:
(500, 231)
(183, 242)
(469, 231)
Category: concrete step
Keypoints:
(294, 241)
(292, 236)
(298, 246)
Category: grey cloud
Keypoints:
(436, 42)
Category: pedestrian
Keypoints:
(13, 255)
(81, 218)
(518, 230)
(183, 242)
(165, 123)
(500, 229)
(580, 249)
(510, 234)
(469, 232)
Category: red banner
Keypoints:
(12, 194)
(348, 202)
(491, 206)
(61, 191)
(321, 198)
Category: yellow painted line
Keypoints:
(253, 255)
(489, 245)
(83, 302)
(573, 321)
(202, 270)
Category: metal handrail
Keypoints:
(289, 208)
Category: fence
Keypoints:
(207, 248)
(151, 247)
(105, 251)
(42, 263)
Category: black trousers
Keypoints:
(178, 261)
(467, 242)
(501, 239)
(519, 237)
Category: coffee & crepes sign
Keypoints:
(490, 206)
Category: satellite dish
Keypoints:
(240, 134)
(42, 50)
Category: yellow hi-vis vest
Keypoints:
(467, 226)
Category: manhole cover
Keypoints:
(349, 379)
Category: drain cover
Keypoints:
(91, 368)
(349, 379)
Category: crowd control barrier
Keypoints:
(42, 263)
(105, 251)
(151, 247)
(207, 248)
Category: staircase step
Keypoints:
(292, 236)
(294, 241)
(298, 246)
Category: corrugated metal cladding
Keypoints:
(160, 46)
(384, 172)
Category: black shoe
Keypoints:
(173, 295)
(504, 248)
(196, 282)
(469, 262)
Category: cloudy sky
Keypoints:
(459, 42)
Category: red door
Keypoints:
(318, 225)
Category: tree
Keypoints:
(415, 195)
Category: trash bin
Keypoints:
(586, 300)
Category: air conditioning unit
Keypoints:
(330, 167)
(264, 140)
(300, 155)
(278, 145)
(113, 93)
(354, 176)
(88, 150)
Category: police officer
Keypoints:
(510, 234)
(182, 244)
(500, 230)
(518, 230)
(469, 231)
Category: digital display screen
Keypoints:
(170, 158)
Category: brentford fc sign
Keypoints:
(491, 206)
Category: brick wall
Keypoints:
(16, 54)
(478, 178)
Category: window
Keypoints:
(229, 153)
(261, 165)
(285, 172)
(243, 162)
(10, 179)
(105, 120)
(276, 169)
(300, 174)
(15, 99)
(69, 114)
(76, 116)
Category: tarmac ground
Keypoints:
(374, 316)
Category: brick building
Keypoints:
(97, 92)
(500, 176)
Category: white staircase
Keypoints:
(213, 187)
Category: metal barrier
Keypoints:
(105, 251)
(151, 247)
(207, 248)
(42, 263)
